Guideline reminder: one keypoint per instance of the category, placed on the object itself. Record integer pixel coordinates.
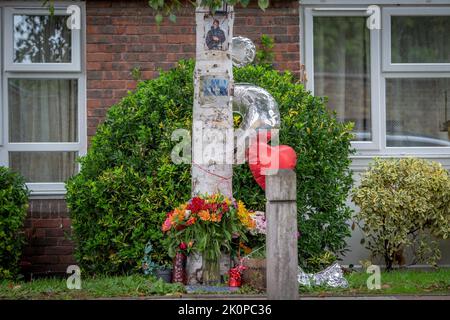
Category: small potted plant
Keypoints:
(150, 267)
(164, 272)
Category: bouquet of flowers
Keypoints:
(207, 224)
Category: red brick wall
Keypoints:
(122, 35)
(47, 231)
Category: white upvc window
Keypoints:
(37, 41)
(393, 82)
(43, 103)
(341, 64)
(416, 39)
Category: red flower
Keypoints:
(224, 207)
(183, 246)
(180, 227)
(197, 204)
(212, 207)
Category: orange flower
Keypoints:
(204, 215)
(178, 216)
(216, 217)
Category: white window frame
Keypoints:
(388, 65)
(375, 92)
(42, 71)
(348, 8)
(10, 65)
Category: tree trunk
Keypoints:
(212, 114)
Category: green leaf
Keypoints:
(245, 3)
(173, 18)
(158, 18)
(153, 4)
(263, 4)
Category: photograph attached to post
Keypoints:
(216, 32)
(214, 88)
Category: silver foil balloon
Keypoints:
(244, 51)
(258, 109)
(331, 277)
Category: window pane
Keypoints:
(342, 69)
(420, 39)
(41, 39)
(42, 110)
(44, 166)
(418, 112)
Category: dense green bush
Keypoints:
(324, 180)
(136, 136)
(13, 210)
(403, 202)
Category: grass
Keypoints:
(397, 282)
(401, 282)
(98, 287)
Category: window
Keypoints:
(43, 126)
(39, 41)
(393, 83)
(416, 39)
(416, 112)
(342, 69)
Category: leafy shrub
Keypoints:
(324, 179)
(128, 182)
(13, 210)
(403, 202)
(322, 261)
(265, 55)
(136, 136)
(111, 233)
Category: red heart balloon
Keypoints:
(262, 157)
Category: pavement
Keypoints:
(304, 298)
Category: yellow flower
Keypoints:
(227, 201)
(245, 216)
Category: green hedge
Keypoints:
(13, 210)
(128, 182)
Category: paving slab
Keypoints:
(263, 297)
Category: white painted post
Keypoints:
(281, 236)
(213, 114)
(212, 131)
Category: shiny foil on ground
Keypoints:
(332, 277)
